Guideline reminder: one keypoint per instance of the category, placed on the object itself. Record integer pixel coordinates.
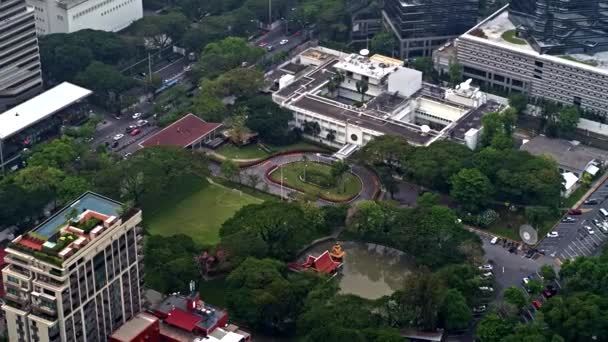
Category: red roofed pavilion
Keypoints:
(181, 319)
(187, 132)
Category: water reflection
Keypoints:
(370, 271)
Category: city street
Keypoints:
(574, 239)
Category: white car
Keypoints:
(284, 41)
(136, 116)
(487, 267)
(494, 240)
(589, 230)
(142, 123)
(553, 234)
(486, 288)
(525, 281)
(487, 275)
(118, 136)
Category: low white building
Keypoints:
(397, 102)
(66, 16)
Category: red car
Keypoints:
(135, 132)
(547, 294)
(574, 212)
(537, 304)
(297, 34)
(262, 44)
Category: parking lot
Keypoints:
(581, 237)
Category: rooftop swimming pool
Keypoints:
(88, 201)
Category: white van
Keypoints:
(604, 212)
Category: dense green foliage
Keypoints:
(170, 262)
(431, 235)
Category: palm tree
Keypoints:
(338, 172)
(332, 86)
(362, 88)
(338, 79)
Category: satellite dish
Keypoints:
(364, 52)
(425, 129)
(528, 234)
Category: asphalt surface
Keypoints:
(574, 240)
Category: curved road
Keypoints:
(368, 179)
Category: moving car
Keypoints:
(136, 116)
(537, 304)
(135, 132)
(284, 41)
(118, 136)
(553, 234)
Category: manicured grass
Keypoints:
(509, 222)
(252, 151)
(213, 291)
(511, 37)
(588, 62)
(200, 214)
(575, 196)
(300, 145)
(293, 171)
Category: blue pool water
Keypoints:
(90, 201)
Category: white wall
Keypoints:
(405, 81)
(104, 15)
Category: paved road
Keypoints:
(369, 180)
(574, 240)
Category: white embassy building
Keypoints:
(67, 16)
(396, 101)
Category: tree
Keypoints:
(535, 287)
(424, 65)
(577, 317)
(387, 149)
(455, 71)
(311, 128)
(518, 101)
(362, 88)
(209, 107)
(455, 314)
(270, 121)
(339, 170)
(568, 118)
(58, 153)
(39, 178)
(471, 188)
(493, 328)
(548, 273)
(161, 30)
(71, 187)
(238, 130)
(389, 182)
(229, 169)
(219, 57)
(514, 296)
(384, 43)
(170, 269)
(253, 179)
(104, 80)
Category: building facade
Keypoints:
(20, 74)
(557, 26)
(421, 26)
(66, 16)
(514, 65)
(77, 276)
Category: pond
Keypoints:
(369, 271)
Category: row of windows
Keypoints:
(92, 8)
(116, 7)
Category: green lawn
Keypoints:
(511, 37)
(575, 196)
(232, 151)
(199, 215)
(293, 171)
(509, 222)
(588, 62)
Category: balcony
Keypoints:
(19, 299)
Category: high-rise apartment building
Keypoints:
(559, 26)
(20, 75)
(422, 26)
(77, 276)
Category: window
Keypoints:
(354, 137)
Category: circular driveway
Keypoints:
(369, 181)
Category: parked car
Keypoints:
(591, 201)
(136, 116)
(548, 294)
(553, 234)
(537, 304)
(590, 230)
(480, 309)
(118, 136)
(270, 48)
(486, 267)
(142, 123)
(486, 288)
(297, 34)
(575, 212)
(130, 128)
(135, 132)
(114, 144)
(569, 219)
(494, 240)
(262, 44)
(487, 275)
(127, 155)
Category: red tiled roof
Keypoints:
(325, 264)
(182, 319)
(182, 133)
(31, 243)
